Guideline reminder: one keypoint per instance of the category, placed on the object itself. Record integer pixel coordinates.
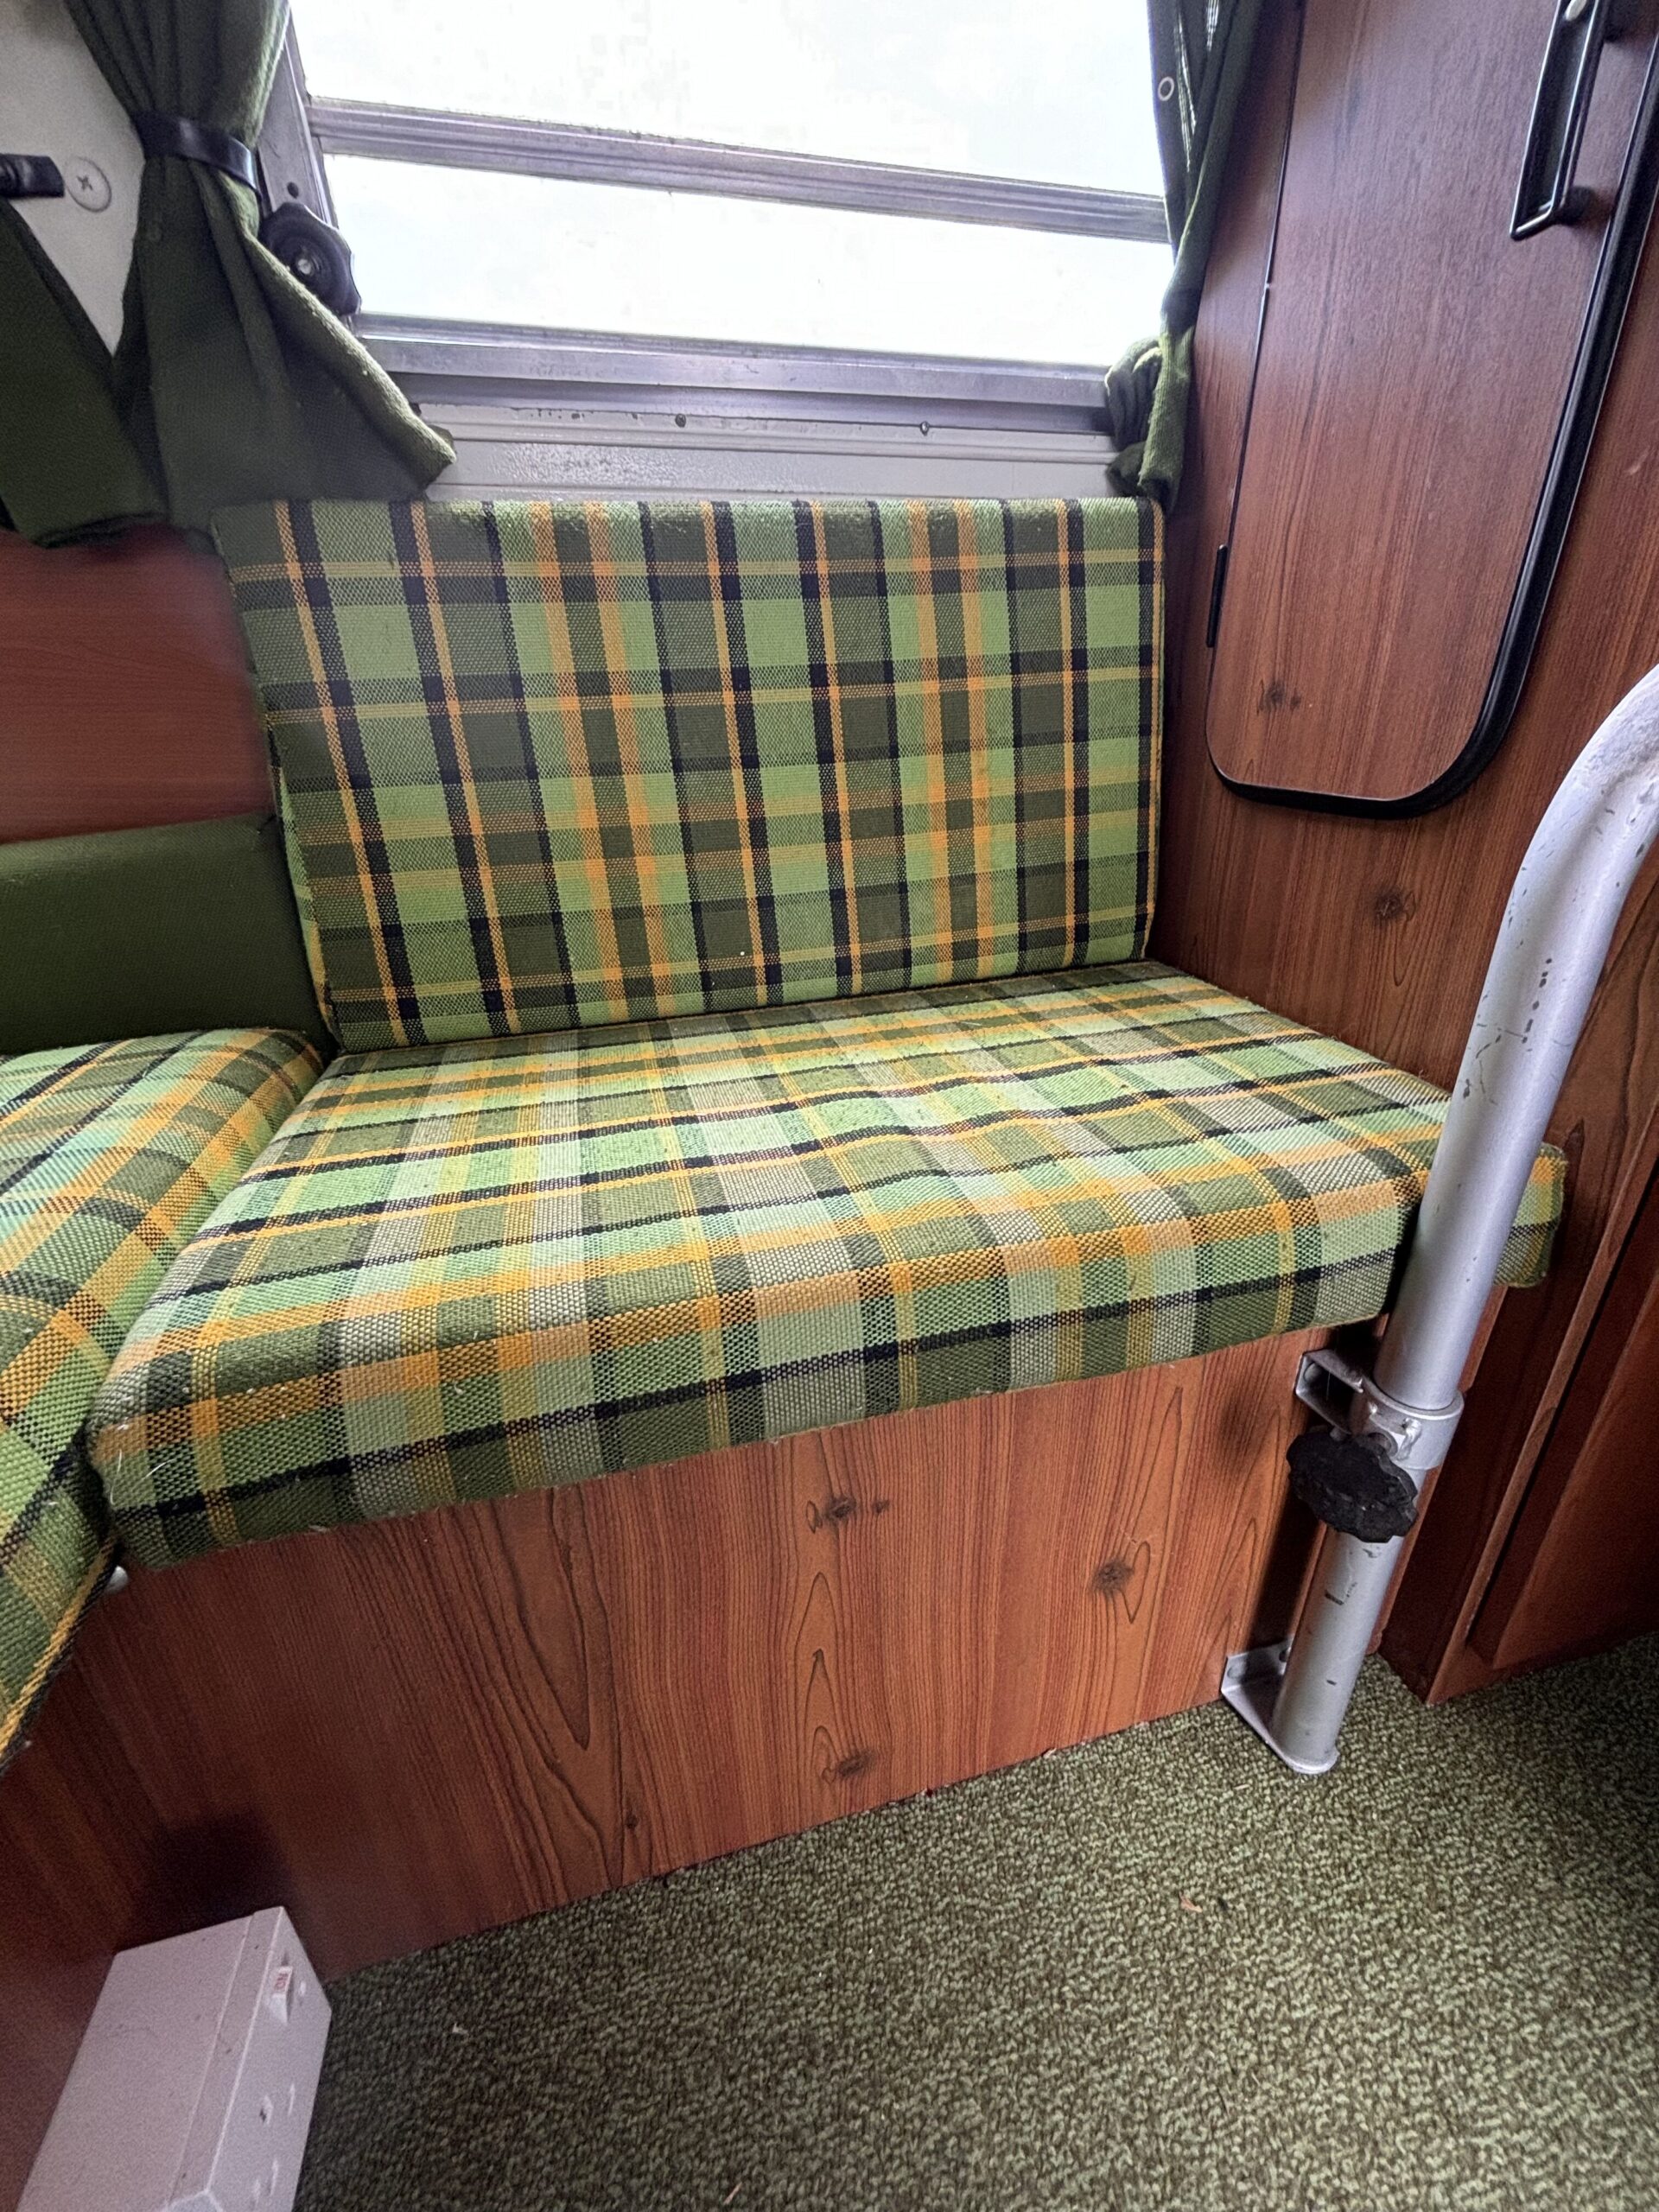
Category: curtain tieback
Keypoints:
(197, 141)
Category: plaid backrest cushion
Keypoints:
(546, 765)
(110, 1156)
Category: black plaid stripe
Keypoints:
(547, 764)
(462, 1270)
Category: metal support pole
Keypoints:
(1556, 929)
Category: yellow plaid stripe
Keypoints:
(111, 1155)
(463, 1271)
(551, 765)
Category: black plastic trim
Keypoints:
(1217, 592)
(1610, 298)
(30, 176)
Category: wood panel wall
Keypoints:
(411, 1730)
(1379, 931)
(1414, 364)
(414, 1729)
(1582, 1561)
(124, 697)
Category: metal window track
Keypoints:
(621, 157)
(471, 364)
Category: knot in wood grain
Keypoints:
(1393, 904)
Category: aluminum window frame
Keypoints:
(437, 360)
(639, 162)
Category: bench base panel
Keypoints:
(412, 1729)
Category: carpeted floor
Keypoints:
(1155, 1973)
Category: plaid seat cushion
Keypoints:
(111, 1155)
(458, 1272)
(547, 764)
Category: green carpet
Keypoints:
(1158, 1972)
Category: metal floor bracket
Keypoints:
(1250, 1683)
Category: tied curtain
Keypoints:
(1200, 55)
(68, 468)
(232, 382)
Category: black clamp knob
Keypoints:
(1351, 1484)
(314, 251)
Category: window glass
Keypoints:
(1059, 92)
(472, 246)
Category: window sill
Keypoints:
(535, 412)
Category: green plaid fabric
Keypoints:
(548, 765)
(111, 1155)
(458, 1272)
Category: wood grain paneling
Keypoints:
(80, 1840)
(1414, 364)
(1581, 1567)
(124, 697)
(1379, 931)
(414, 1729)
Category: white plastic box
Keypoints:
(193, 2088)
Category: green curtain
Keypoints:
(1200, 56)
(85, 477)
(233, 382)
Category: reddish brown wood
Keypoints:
(1379, 931)
(411, 1730)
(1414, 364)
(1581, 1568)
(76, 1866)
(416, 1728)
(124, 697)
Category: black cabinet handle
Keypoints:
(1546, 194)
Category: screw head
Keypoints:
(86, 184)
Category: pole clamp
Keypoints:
(1361, 1471)
(1349, 1401)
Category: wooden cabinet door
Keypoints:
(1413, 366)
(1581, 1567)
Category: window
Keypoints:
(1058, 91)
(944, 213)
(597, 256)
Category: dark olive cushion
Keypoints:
(145, 932)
